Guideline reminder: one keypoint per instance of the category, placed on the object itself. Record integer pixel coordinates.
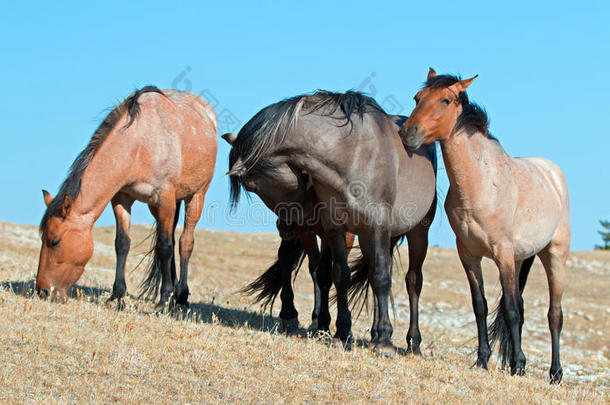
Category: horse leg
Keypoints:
(310, 244)
(417, 240)
(554, 258)
(503, 256)
(377, 252)
(121, 205)
(341, 280)
(472, 267)
(192, 213)
(173, 262)
(289, 255)
(323, 275)
(164, 248)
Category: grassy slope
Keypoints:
(227, 351)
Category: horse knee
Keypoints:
(555, 317)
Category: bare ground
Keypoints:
(225, 350)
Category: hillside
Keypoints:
(225, 350)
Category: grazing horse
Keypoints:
(158, 147)
(297, 241)
(365, 183)
(507, 209)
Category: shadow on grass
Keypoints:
(28, 289)
(199, 312)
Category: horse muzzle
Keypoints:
(412, 137)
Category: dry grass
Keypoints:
(226, 351)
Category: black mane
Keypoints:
(473, 116)
(270, 125)
(72, 184)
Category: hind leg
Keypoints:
(472, 266)
(310, 244)
(341, 280)
(192, 213)
(288, 258)
(323, 274)
(121, 205)
(554, 258)
(417, 239)
(503, 256)
(164, 248)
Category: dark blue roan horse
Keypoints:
(364, 181)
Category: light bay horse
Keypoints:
(158, 147)
(507, 209)
(365, 183)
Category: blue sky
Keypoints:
(543, 79)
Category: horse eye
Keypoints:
(416, 100)
(446, 101)
(54, 242)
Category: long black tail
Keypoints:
(268, 285)
(149, 287)
(358, 292)
(498, 331)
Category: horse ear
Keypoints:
(229, 137)
(47, 197)
(462, 85)
(66, 206)
(431, 73)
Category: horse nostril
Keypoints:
(412, 131)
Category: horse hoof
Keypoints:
(313, 327)
(115, 303)
(384, 349)
(556, 376)
(415, 351)
(520, 371)
(343, 345)
(481, 364)
(162, 306)
(290, 326)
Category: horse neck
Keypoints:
(463, 155)
(105, 175)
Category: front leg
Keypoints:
(377, 252)
(472, 267)
(121, 206)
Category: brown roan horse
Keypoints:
(158, 147)
(507, 209)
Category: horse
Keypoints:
(504, 208)
(297, 242)
(365, 183)
(158, 147)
